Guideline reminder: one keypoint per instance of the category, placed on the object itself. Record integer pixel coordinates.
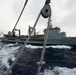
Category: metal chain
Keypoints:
(41, 62)
(21, 49)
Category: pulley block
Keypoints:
(46, 11)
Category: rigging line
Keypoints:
(43, 51)
(3, 43)
(20, 15)
(21, 49)
(17, 20)
(2, 46)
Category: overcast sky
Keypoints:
(63, 15)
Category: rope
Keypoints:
(21, 49)
(3, 43)
(20, 15)
(17, 20)
(40, 63)
(2, 46)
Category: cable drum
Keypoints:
(46, 11)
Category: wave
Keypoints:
(53, 46)
(59, 71)
(59, 55)
(8, 52)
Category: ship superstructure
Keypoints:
(55, 37)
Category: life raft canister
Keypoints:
(46, 11)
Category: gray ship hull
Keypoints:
(55, 37)
(37, 41)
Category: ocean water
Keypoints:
(60, 60)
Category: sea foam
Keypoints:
(59, 71)
(8, 53)
(53, 46)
